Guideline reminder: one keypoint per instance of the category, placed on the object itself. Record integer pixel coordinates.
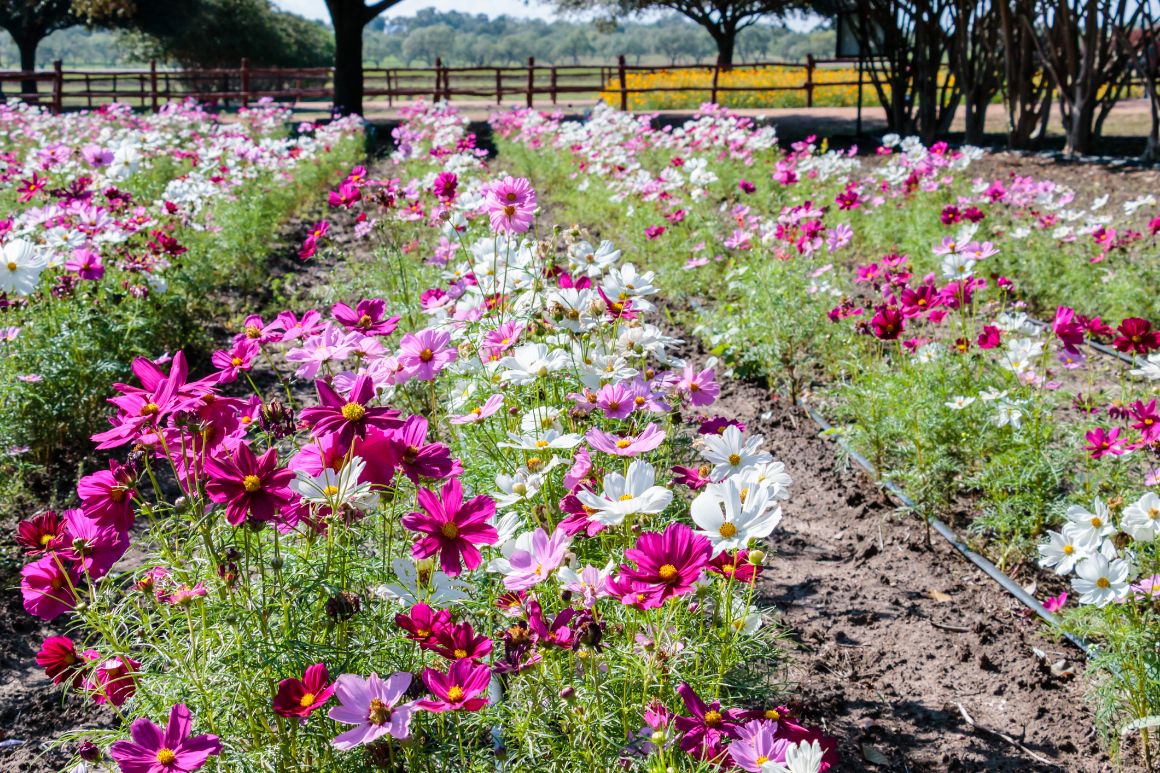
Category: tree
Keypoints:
(676, 43)
(31, 21)
(349, 17)
(722, 19)
(427, 44)
(754, 42)
(976, 60)
(573, 45)
(1027, 87)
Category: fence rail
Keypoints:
(150, 88)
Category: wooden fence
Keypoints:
(150, 88)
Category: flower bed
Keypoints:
(502, 522)
(120, 235)
(897, 295)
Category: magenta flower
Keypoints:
(668, 563)
(416, 457)
(351, 416)
(456, 642)
(59, 658)
(299, 697)
(616, 400)
(93, 546)
(650, 438)
(700, 387)
(654, 232)
(424, 624)
(373, 706)
(41, 533)
(1055, 603)
(368, 317)
(459, 688)
(709, 725)
(142, 409)
(445, 185)
(171, 750)
(1067, 329)
(887, 323)
(510, 205)
(86, 264)
(989, 337)
(113, 681)
(1101, 443)
(453, 527)
(422, 355)
(248, 484)
(557, 632)
(48, 588)
(1146, 420)
(106, 496)
(1137, 336)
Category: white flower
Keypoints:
(771, 476)
(422, 584)
(1064, 549)
(593, 262)
(730, 452)
(20, 267)
(1141, 519)
(957, 265)
(633, 494)
(1021, 354)
(550, 439)
(335, 489)
(1100, 581)
(729, 521)
(1098, 523)
(744, 618)
(532, 361)
(1009, 413)
(802, 757)
(513, 489)
(958, 403)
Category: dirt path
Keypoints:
(895, 635)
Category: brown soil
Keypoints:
(895, 634)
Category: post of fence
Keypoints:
(552, 85)
(438, 78)
(57, 87)
(498, 86)
(153, 84)
(809, 80)
(623, 83)
(446, 85)
(390, 88)
(716, 79)
(531, 79)
(245, 82)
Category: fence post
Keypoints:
(57, 87)
(553, 84)
(809, 80)
(446, 85)
(498, 86)
(531, 79)
(438, 78)
(153, 84)
(716, 78)
(245, 82)
(390, 90)
(623, 83)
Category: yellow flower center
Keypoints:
(727, 530)
(364, 321)
(166, 756)
(728, 569)
(379, 712)
(773, 714)
(1068, 549)
(12, 265)
(1103, 583)
(150, 409)
(330, 491)
(450, 530)
(1154, 514)
(734, 459)
(353, 412)
(761, 759)
(712, 718)
(455, 694)
(46, 538)
(534, 463)
(460, 654)
(613, 406)
(625, 497)
(251, 483)
(509, 210)
(541, 444)
(668, 573)
(623, 443)
(253, 331)
(306, 699)
(426, 355)
(1097, 522)
(236, 361)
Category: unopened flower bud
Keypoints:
(568, 693)
(658, 737)
(89, 752)
(757, 557)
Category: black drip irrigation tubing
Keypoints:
(947, 533)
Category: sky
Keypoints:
(316, 9)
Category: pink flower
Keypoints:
(700, 387)
(745, 186)
(1067, 329)
(459, 688)
(40, 533)
(106, 496)
(581, 466)
(422, 355)
(887, 323)
(113, 681)
(453, 527)
(1147, 588)
(654, 232)
(694, 477)
(171, 750)
(476, 415)
(1137, 336)
(416, 457)
(240, 357)
(248, 484)
(756, 744)
(424, 624)
(531, 567)
(1146, 420)
(456, 642)
(615, 400)
(48, 589)
(93, 546)
(349, 417)
(368, 317)
(1101, 443)
(445, 185)
(86, 264)
(346, 195)
(989, 337)
(708, 726)
(373, 706)
(300, 697)
(1055, 603)
(510, 205)
(668, 564)
(650, 438)
(59, 658)
(557, 632)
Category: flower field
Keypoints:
(478, 497)
(773, 86)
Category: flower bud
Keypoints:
(568, 693)
(756, 557)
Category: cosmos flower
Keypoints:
(453, 527)
(172, 750)
(460, 688)
(300, 697)
(372, 706)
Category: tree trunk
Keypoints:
(1079, 126)
(726, 40)
(976, 119)
(348, 45)
(28, 46)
